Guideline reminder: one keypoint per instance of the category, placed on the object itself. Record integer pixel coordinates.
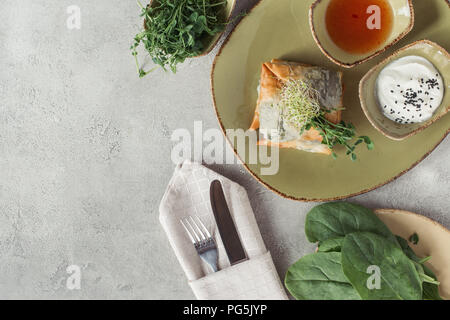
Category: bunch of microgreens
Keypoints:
(176, 29)
(300, 103)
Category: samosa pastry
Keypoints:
(271, 119)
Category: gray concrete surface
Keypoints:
(84, 159)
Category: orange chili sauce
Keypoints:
(346, 22)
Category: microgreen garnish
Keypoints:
(414, 238)
(176, 29)
(300, 103)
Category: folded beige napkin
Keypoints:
(188, 194)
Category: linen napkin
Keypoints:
(188, 194)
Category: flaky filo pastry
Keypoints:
(269, 119)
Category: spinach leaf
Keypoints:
(319, 276)
(331, 245)
(336, 219)
(410, 254)
(430, 290)
(407, 249)
(399, 279)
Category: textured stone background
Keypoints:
(84, 159)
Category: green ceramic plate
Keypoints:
(280, 29)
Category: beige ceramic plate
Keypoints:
(279, 29)
(427, 49)
(210, 42)
(403, 22)
(433, 241)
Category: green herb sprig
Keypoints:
(176, 29)
(353, 239)
(300, 103)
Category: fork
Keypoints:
(202, 240)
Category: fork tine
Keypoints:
(192, 229)
(203, 226)
(197, 227)
(187, 230)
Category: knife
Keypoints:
(225, 224)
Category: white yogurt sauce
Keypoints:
(409, 90)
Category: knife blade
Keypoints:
(225, 224)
